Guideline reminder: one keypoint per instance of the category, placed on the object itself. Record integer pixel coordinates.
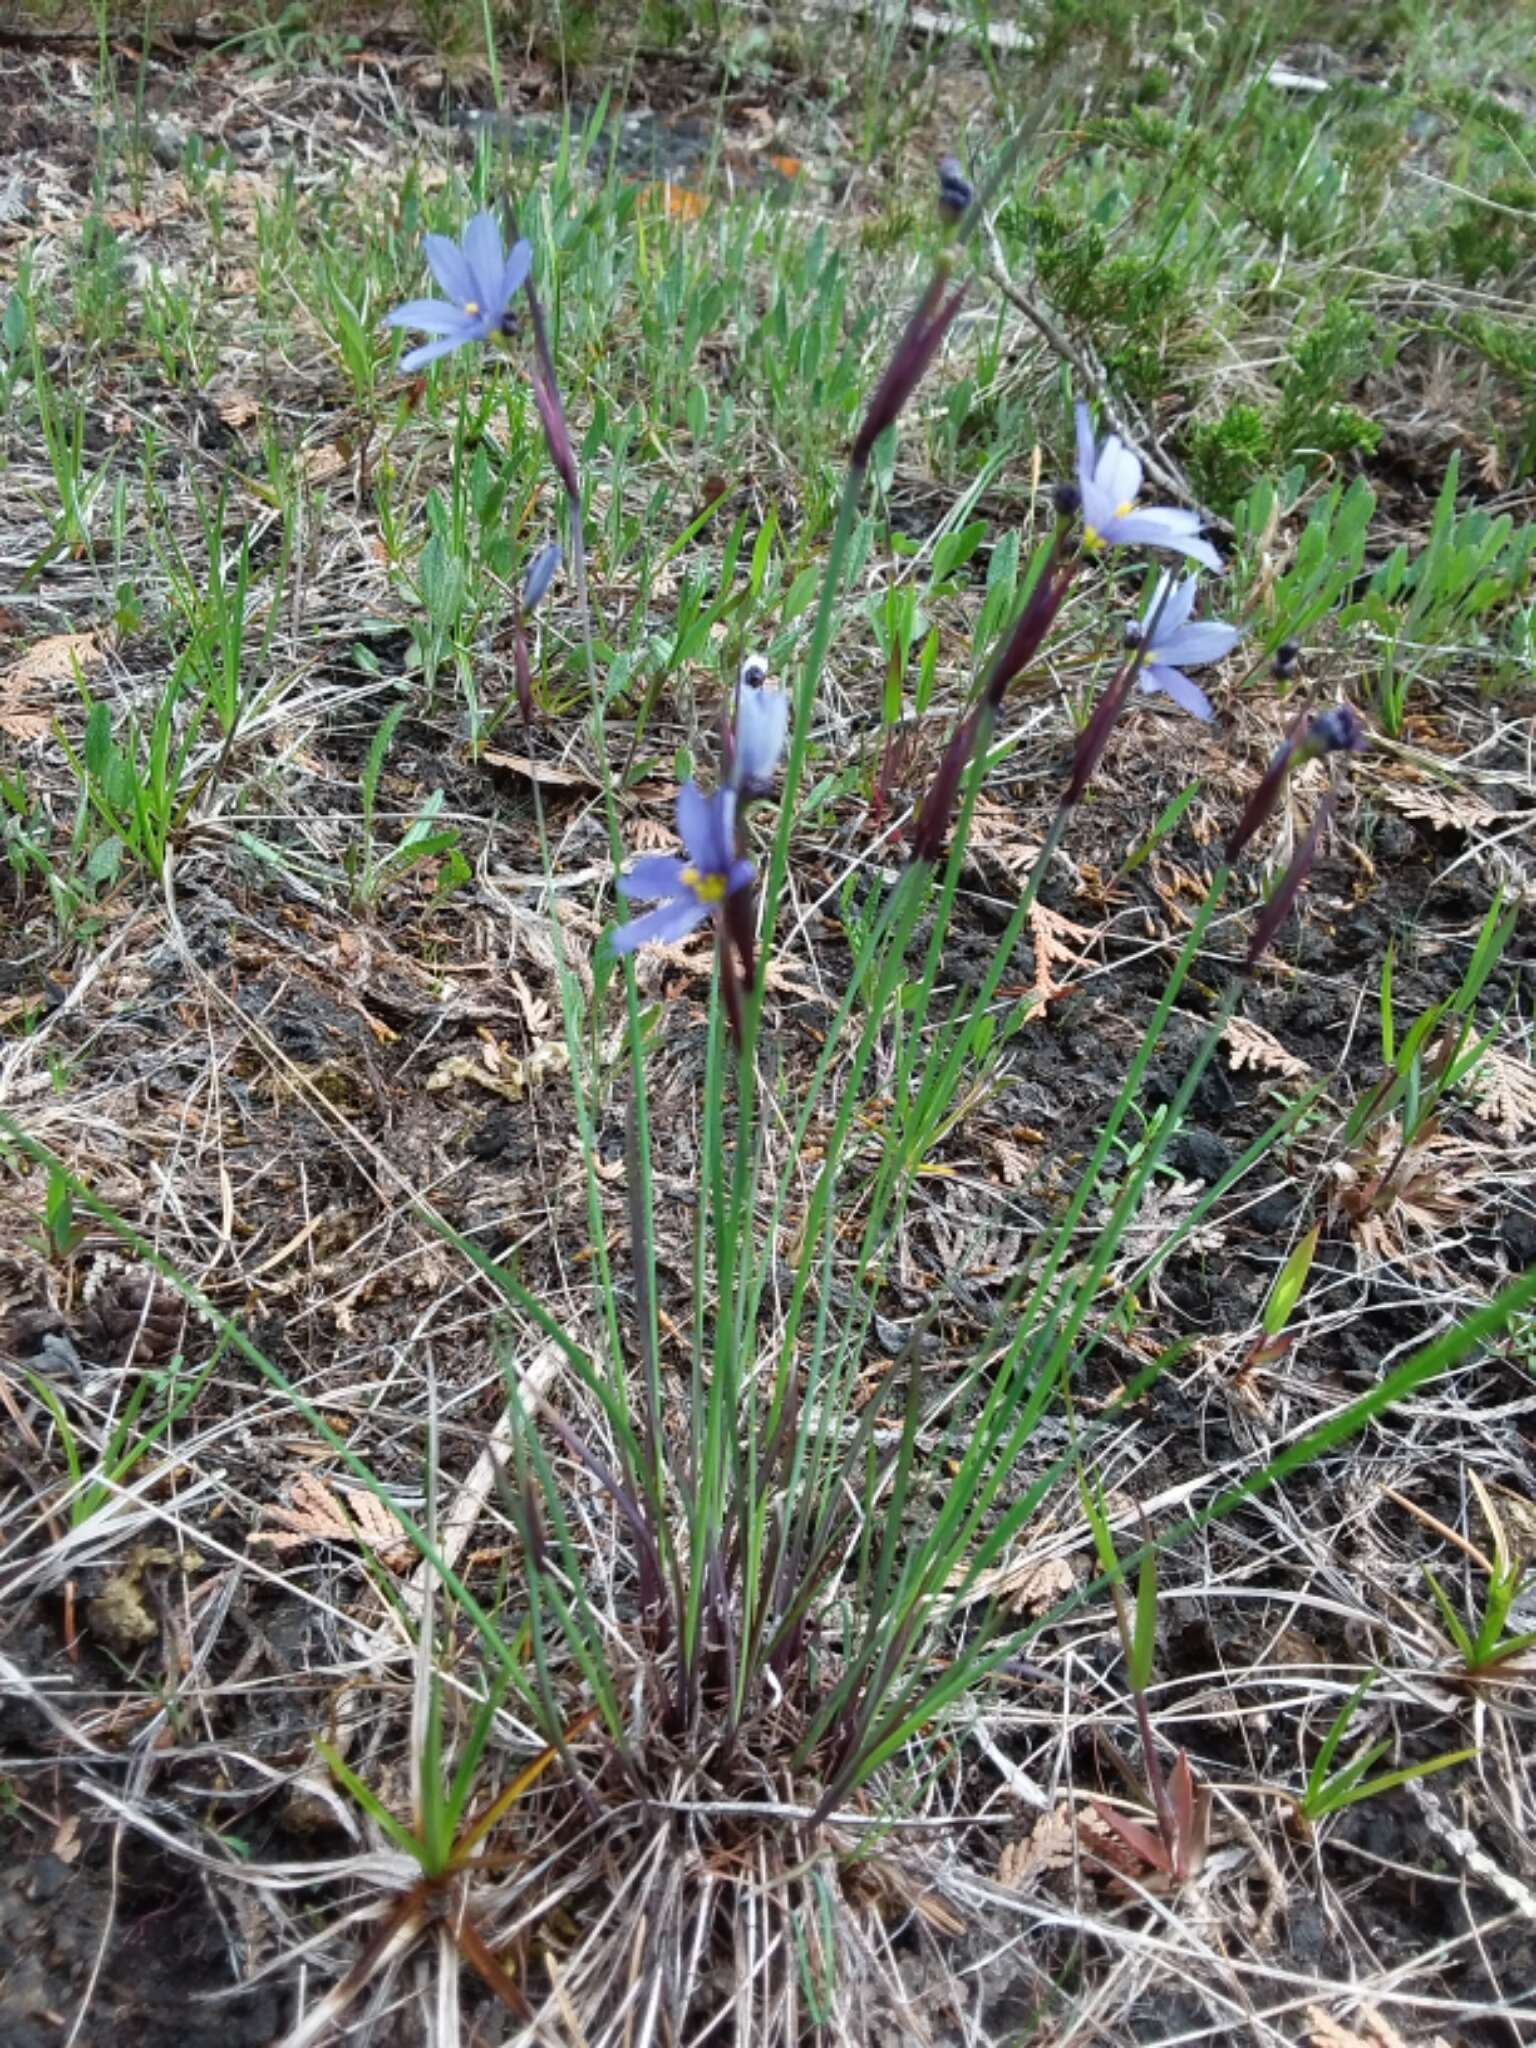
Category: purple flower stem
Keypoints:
(1280, 904)
(931, 826)
(1266, 794)
(730, 982)
(1094, 737)
(546, 396)
(523, 671)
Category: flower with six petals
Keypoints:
(1173, 644)
(480, 282)
(691, 889)
(1109, 479)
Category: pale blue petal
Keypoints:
(433, 316)
(430, 351)
(1187, 695)
(693, 825)
(661, 927)
(1161, 526)
(482, 252)
(1118, 471)
(1181, 602)
(446, 261)
(519, 263)
(762, 720)
(1085, 449)
(722, 818)
(1158, 607)
(707, 827)
(1193, 645)
(1098, 509)
(738, 876)
(541, 572)
(658, 874)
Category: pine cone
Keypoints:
(129, 1315)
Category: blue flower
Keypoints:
(1173, 644)
(693, 889)
(757, 740)
(955, 189)
(480, 282)
(1338, 730)
(541, 573)
(1109, 479)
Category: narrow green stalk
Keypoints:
(800, 733)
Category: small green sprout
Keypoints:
(441, 1838)
(1280, 1305)
(1485, 1646)
(1329, 1790)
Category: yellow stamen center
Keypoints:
(708, 888)
(471, 306)
(1092, 538)
(1125, 506)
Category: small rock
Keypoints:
(168, 142)
(1520, 1240)
(48, 1877)
(1273, 1214)
(1200, 1155)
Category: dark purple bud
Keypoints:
(1266, 795)
(1033, 623)
(955, 189)
(546, 396)
(1279, 906)
(522, 671)
(1287, 654)
(1094, 737)
(1338, 730)
(930, 831)
(542, 571)
(1067, 499)
(920, 343)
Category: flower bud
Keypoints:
(541, 573)
(956, 191)
(546, 396)
(921, 340)
(1338, 730)
(756, 735)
